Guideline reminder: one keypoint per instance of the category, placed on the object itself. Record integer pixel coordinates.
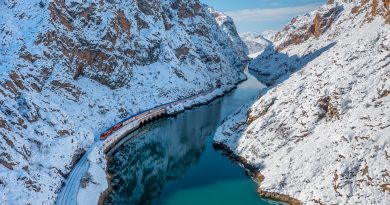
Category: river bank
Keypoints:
(255, 175)
(320, 134)
(94, 164)
(172, 161)
(71, 69)
(200, 100)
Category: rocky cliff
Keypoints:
(320, 133)
(257, 42)
(70, 69)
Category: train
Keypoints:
(141, 117)
(145, 115)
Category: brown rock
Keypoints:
(58, 16)
(182, 51)
(197, 7)
(28, 57)
(167, 24)
(386, 3)
(148, 7)
(63, 133)
(6, 161)
(179, 74)
(7, 165)
(274, 196)
(321, 22)
(16, 79)
(87, 13)
(21, 123)
(32, 185)
(316, 27)
(355, 10)
(141, 24)
(8, 141)
(123, 22)
(185, 12)
(385, 187)
(36, 87)
(4, 124)
(374, 8)
(79, 71)
(70, 88)
(9, 85)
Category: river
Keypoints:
(172, 161)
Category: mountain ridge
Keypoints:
(71, 69)
(319, 133)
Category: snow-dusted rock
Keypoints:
(321, 133)
(257, 42)
(71, 69)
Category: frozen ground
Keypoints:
(89, 180)
(71, 69)
(257, 42)
(320, 134)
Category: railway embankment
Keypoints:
(88, 182)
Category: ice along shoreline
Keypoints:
(255, 174)
(217, 93)
(92, 166)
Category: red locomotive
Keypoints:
(116, 127)
(141, 116)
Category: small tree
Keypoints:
(41, 4)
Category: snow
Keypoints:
(257, 42)
(49, 116)
(96, 158)
(98, 184)
(254, 55)
(321, 132)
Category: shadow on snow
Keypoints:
(273, 67)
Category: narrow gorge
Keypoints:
(167, 102)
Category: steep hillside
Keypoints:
(320, 134)
(257, 42)
(227, 25)
(70, 69)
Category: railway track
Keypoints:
(68, 194)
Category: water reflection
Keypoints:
(172, 160)
(260, 77)
(163, 153)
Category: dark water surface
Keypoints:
(172, 161)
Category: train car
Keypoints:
(104, 135)
(128, 121)
(162, 109)
(109, 132)
(117, 126)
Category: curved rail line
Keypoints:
(108, 139)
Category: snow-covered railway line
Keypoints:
(109, 139)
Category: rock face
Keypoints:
(70, 69)
(227, 25)
(319, 134)
(257, 42)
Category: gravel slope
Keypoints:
(320, 133)
(71, 69)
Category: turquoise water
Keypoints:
(172, 161)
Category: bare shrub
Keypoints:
(329, 109)
(86, 180)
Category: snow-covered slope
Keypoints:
(70, 69)
(227, 25)
(257, 42)
(321, 133)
